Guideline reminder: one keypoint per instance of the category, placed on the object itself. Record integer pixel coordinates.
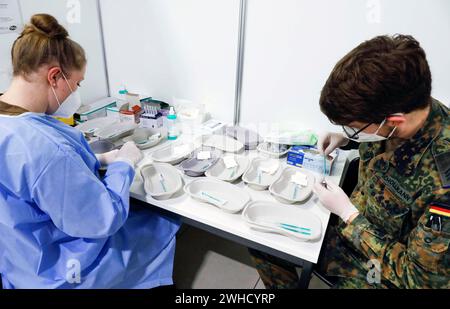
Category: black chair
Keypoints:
(351, 177)
(349, 184)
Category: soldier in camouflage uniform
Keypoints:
(402, 199)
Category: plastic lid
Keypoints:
(124, 91)
(172, 115)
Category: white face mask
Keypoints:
(363, 137)
(70, 105)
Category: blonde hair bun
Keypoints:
(45, 42)
(46, 25)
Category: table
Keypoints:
(234, 228)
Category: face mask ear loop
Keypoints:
(67, 82)
(379, 128)
(56, 97)
(392, 133)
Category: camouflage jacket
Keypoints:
(396, 194)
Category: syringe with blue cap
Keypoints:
(324, 181)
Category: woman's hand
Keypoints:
(108, 157)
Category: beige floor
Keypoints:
(205, 261)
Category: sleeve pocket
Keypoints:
(429, 248)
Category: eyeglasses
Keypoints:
(353, 133)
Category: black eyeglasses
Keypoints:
(352, 133)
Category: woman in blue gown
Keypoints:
(61, 225)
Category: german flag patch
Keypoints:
(440, 209)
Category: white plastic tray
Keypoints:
(171, 155)
(161, 180)
(224, 143)
(285, 220)
(286, 191)
(260, 180)
(221, 194)
(91, 127)
(143, 138)
(116, 131)
(220, 172)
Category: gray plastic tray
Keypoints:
(197, 168)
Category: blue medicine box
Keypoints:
(309, 158)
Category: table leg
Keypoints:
(305, 274)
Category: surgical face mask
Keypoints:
(362, 137)
(70, 105)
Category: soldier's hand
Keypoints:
(328, 142)
(335, 200)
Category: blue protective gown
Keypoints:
(59, 219)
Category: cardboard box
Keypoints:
(133, 115)
(310, 158)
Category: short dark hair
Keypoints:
(380, 77)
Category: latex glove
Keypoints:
(335, 200)
(107, 158)
(130, 154)
(328, 142)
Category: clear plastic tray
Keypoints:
(91, 127)
(224, 143)
(249, 138)
(274, 150)
(116, 131)
(290, 221)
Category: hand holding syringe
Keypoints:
(324, 181)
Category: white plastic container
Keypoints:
(189, 113)
(95, 109)
(273, 150)
(293, 222)
(161, 180)
(221, 194)
(221, 172)
(249, 138)
(288, 190)
(262, 173)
